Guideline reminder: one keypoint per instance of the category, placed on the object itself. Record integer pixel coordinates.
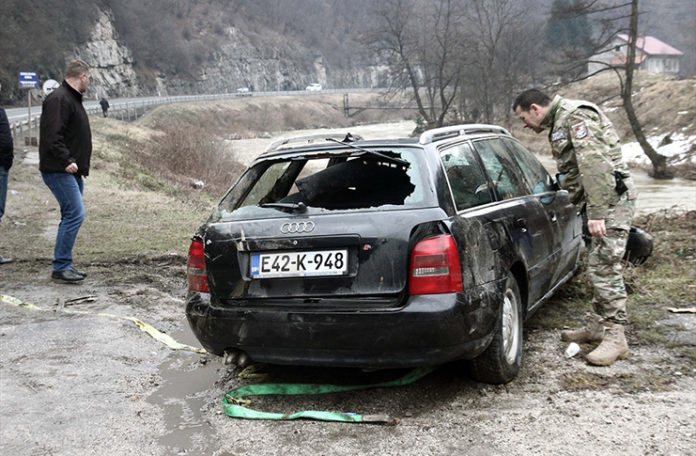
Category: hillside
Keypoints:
(186, 47)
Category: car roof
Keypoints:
(339, 142)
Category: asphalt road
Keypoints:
(16, 115)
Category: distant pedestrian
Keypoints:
(105, 105)
(588, 155)
(65, 150)
(6, 157)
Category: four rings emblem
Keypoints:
(297, 227)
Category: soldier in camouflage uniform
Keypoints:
(588, 156)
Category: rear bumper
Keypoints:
(428, 330)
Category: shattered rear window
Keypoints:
(328, 183)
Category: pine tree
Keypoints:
(568, 32)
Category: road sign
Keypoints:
(28, 80)
(49, 86)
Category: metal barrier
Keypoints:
(132, 110)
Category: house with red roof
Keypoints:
(651, 55)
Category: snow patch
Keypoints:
(676, 151)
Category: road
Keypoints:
(17, 115)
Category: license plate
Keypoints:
(299, 264)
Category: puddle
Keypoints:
(186, 387)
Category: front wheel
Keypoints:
(501, 361)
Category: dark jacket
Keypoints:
(65, 134)
(6, 146)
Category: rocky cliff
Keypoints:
(113, 73)
(236, 62)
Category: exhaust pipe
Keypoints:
(236, 357)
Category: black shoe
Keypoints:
(78, 272)
(67, 276)
(4, 260)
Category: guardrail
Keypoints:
(131, 110)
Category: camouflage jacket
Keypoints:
(587, 152)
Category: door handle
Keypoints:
(521, 224)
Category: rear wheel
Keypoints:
(501, 361)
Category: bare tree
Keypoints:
(501, 41)
(422, 42)
(659, 161)
(612, 22)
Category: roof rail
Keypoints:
(438, 134)
(309, 139)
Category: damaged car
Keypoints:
(348, 252)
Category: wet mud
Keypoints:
(84, 384)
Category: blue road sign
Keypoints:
(28, 80)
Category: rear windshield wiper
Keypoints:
(399, 161)
(292, 207)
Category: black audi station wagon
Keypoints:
(383, 254)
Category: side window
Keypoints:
(266, 184)
(501, 170)
(534, 172)
(467, 181)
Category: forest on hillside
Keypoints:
(180, 36)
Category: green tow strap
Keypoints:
(233, 405)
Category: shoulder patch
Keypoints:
(558, 134)
(579, 130)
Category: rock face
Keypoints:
(237, 62)
(112, 63)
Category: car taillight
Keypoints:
(195, 268)
(435, 266)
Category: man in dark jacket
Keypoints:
(65, 150)
(6, 156)
(105, 105)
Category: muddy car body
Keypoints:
(389, 253)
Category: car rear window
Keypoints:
(329, 182)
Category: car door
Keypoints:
(477, 232)
(561, 213)
(523, 214)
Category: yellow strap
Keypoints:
(146, 328)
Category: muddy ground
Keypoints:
(85, 384)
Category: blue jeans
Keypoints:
(3, 190)
(67, 188)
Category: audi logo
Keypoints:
(297, 227)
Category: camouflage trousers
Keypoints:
(604, 263)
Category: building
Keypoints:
(651, 55)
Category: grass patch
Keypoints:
(567, 307)
(582, 381)
(667, 279)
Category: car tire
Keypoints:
(501, 361)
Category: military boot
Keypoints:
(613, 347)
(593, 331)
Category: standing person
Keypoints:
(64, 155)
(105, 105)
(588, 156)
(6, 157)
